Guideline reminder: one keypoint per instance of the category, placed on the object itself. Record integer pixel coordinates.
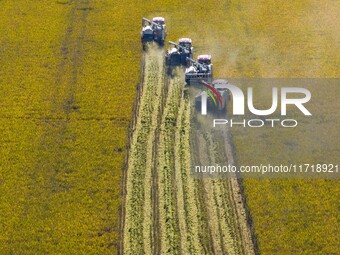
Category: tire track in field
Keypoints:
(54, 149)
(72, 52)
(62, 93)
(54, 154)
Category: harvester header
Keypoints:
(153, 23)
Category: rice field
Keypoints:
(62, 133)
(68, 77)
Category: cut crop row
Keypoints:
(168, 211)
(187, 202)
(138, 223)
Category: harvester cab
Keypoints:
(159, 30)
(185, 45)
(201, 69)
(219, 85)
(154, 30)
(204, 59)
(179, 53)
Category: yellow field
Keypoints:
(68, 74)
(63, 125)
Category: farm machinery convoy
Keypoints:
(197, 72)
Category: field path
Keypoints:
(166, 210)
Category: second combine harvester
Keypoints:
(179, 53)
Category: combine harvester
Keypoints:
(179, 53)
(154, 30)
(201, 69)
(218, 95)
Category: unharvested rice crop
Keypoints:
(63, 125)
